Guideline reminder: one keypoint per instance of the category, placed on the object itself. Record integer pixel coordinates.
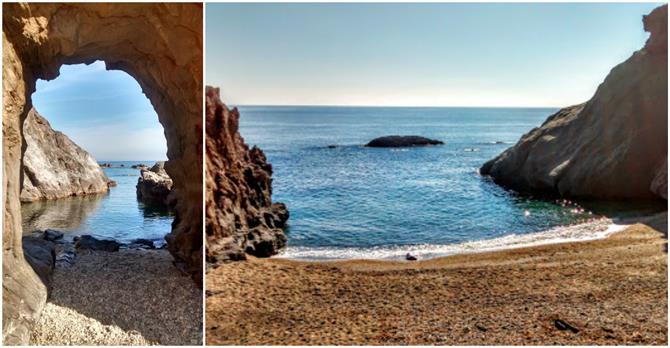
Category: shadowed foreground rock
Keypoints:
(54, 166)
(241, 217)
(402, 141)
(160, 45)
(611, 147)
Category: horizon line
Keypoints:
(395, 106)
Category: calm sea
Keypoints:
(352, 201)
(114, 215)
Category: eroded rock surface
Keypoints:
(54, 166)
(154, 187)
(160, 45)
(240, 215)
(611, 147)
(402, 141)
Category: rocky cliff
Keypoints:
(54, 166)
(611, 147)
(240, 215)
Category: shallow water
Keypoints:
(114, 215)
(353, 201)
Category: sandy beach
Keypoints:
(130, 297)
(608, 291)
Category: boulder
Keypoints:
(402, 141)
(91, 243)
(611, 147)
(154, 186)
(52, 235)
(240, 215)
(54, 166)
(41, 256)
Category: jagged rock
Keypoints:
(240, 215)
(41, 256)
(92, 243)
(154, 187)
(611, 147)
(54, 166)
(402, 141)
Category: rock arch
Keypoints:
(160, 45)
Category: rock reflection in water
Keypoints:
(66, 213)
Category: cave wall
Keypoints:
(160, 45)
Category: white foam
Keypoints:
(596, 229)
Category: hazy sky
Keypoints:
(417, 54)
(105, 112)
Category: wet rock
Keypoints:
(54, 166)
(610, 147)
(52, 235)
(92, 243)
(241, 217)
(41, 256)
(142, 243)
(154, 187)
(410, 257)
(139, 166)
(402, 141)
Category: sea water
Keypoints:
(350, 201)
(116, 214)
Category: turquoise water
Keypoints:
(353, 201)
(114, 215)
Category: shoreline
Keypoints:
(613, 290)
(593, 230)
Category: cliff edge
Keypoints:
(611, 147)
(54, 166)
(240, 216)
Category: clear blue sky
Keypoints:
(417, 54)
(105, 112)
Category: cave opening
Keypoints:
(94, 160)
(160, 46)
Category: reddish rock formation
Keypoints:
(611, 147)
(160, 45)
(240, 215)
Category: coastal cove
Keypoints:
(115, 215)
(348, 201)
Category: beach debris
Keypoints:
(410, 257)
(563, 326)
